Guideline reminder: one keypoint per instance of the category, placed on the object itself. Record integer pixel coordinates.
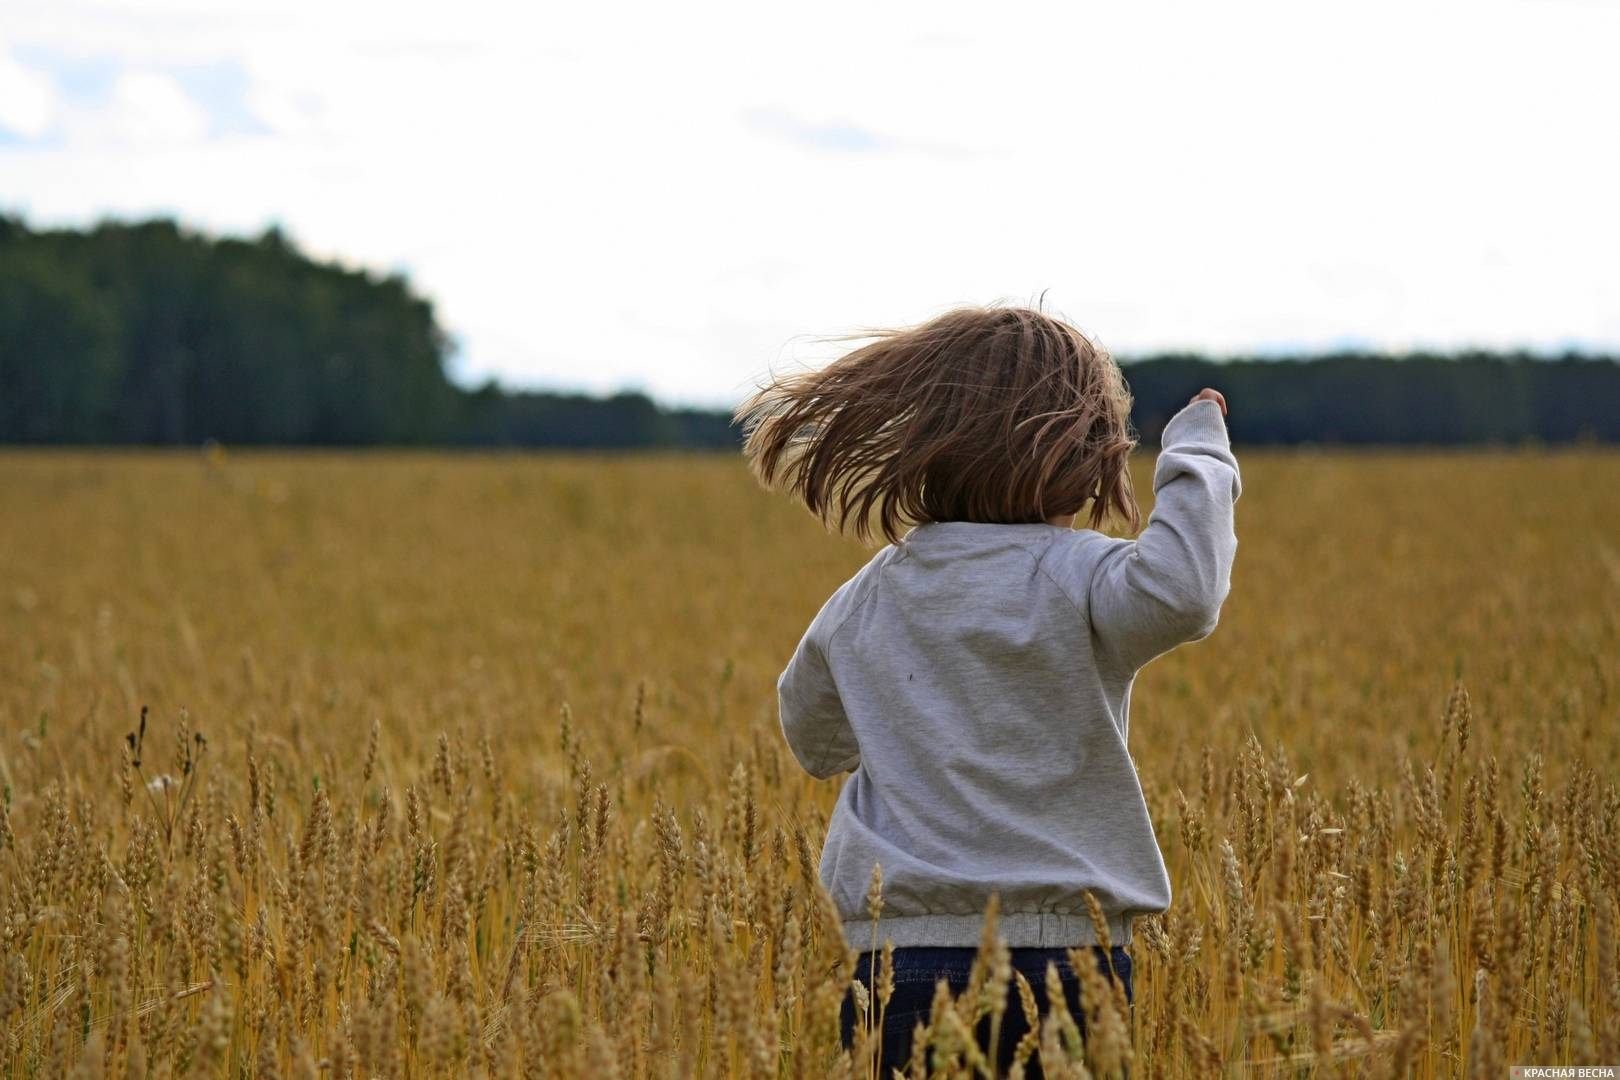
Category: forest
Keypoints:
(151, 333)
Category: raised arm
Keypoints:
(813, 719)
(1167, 586)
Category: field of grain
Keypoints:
(470, 765)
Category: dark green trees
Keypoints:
(150, 333)
(1418, 398)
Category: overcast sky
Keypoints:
(674, 197)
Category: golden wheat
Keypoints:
(392, 765)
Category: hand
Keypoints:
(1212, 395)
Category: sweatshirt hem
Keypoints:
(1022, 929)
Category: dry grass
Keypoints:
(466, 765)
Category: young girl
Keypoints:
(975, 675)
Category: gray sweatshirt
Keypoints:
(977, 680)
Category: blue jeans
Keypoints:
(917, 969)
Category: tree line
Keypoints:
(149, 333)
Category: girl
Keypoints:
(975, 675)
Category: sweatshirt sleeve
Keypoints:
(1166, 587)
(813, 720)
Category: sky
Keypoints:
(678, 198)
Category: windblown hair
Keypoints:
(992, 414)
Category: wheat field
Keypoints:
(356, 765)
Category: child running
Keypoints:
(975, 676)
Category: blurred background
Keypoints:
(293, 222)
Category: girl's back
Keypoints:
(976, 677)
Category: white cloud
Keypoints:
(673, 196)
(147, 109)
(27, 106)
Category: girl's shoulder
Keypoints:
(1072, 557)
(848, 597)
(1071, 546)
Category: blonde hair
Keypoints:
(986, 413)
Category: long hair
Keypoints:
(986, 413)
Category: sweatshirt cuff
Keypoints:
(1198, 422)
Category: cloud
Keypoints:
(27, 105)
(100, 100)
(149, 109)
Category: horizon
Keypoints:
(1289, 352)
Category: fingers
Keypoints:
(1213, 395)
